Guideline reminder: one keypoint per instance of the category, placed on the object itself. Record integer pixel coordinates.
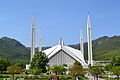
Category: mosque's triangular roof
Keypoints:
(74, 53)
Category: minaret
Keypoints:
(61, 42)
(33, 38)
(40, 41)
(90, 59)
(81, 43)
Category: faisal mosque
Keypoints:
(63, 54)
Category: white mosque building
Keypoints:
(62, 54)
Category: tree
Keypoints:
(22, 65)
(114, 66)
(56, 69)
(4, 63)
(77, 70)
(35, 71)
(14, 70)
(78, 63)
(96, 70)
(116, 71)
(115, 61)
(49, 68)
(39, 61)
(61, 69)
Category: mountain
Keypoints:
(13, 50)
(103, 48)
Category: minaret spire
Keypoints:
(90, 59)
(61, 42)
(40, 41)
(81, 43)
(33, 38)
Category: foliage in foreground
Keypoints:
(4, 63)
(39, 61)
(58, 70)
(44, 77)
(114, 66)
(96, 70)
(77, 70)
(14, 70)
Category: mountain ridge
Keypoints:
(103, 49)
(13, 50)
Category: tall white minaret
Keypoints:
(81, 43)
(40, 41)
(90, 59)
(33, 38)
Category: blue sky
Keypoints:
(58, 18)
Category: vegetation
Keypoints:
(43, 77)
(59, 69)
(39, 61)
(96, 70)
(77, 70)
(14, 70)
(114, 66)
(103, 48)
(4, 63)
(13, 50)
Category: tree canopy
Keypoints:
(39, 61)
(114, 66)
(59, 69)
(96, 70)
(4, 63)
(35, 71)
(77, 70)
(14, 70)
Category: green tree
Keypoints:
(14, 70)
(49, 68)
(56, 69)
(22, 65)
(115, 61)
(96, 70)
(35, 71)
(114, 66)
(4, 63)
(63, 69)
(59, 69)
(78, 63)
(39, 61)
(116, 71)
(77, 70)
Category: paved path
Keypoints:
(92, 77)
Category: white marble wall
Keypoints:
(61, 58)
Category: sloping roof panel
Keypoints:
(76, 54)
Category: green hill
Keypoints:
(13, 50)
(106, 47)
(103, 48)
